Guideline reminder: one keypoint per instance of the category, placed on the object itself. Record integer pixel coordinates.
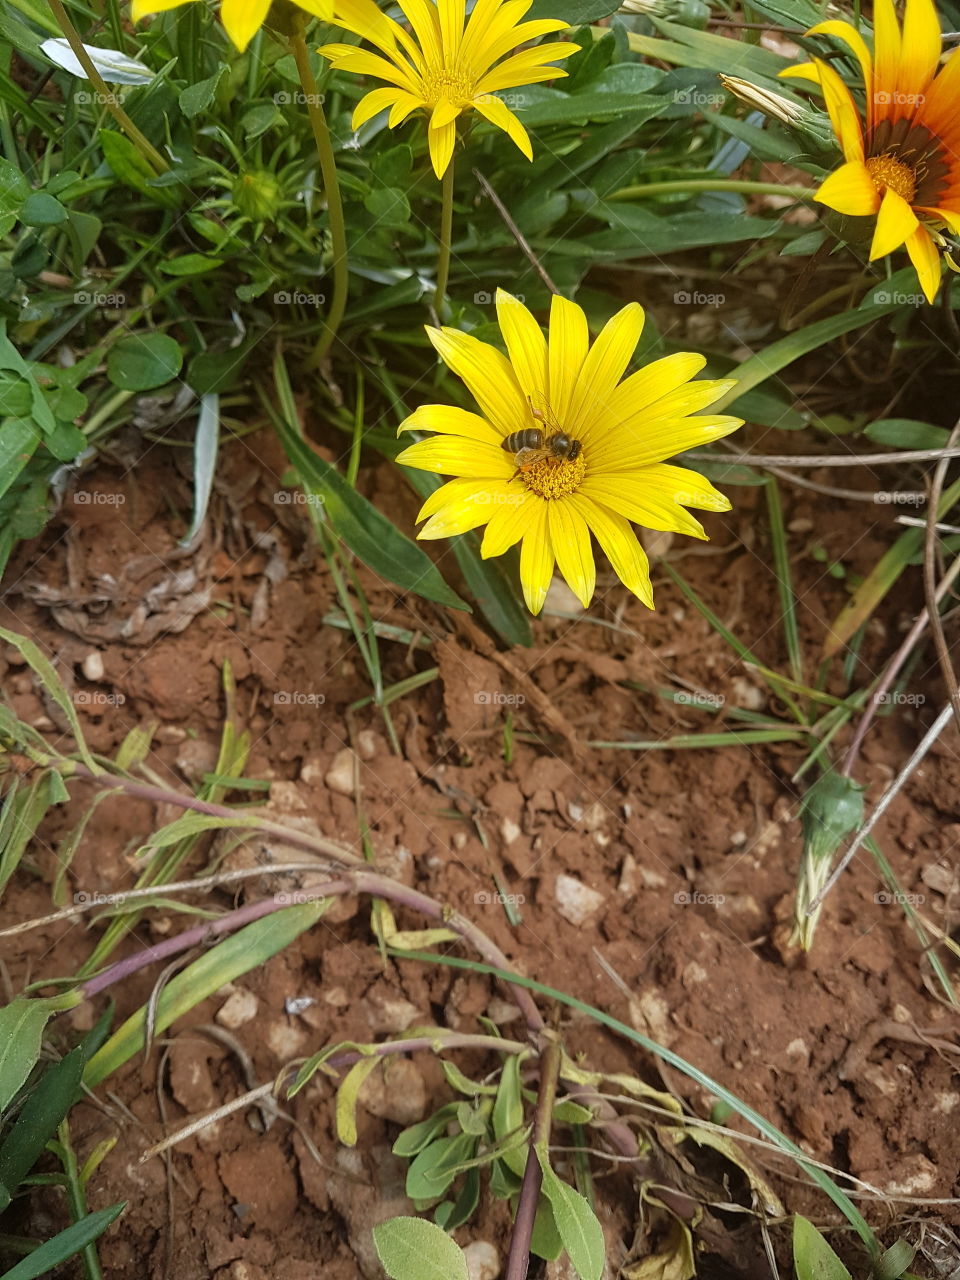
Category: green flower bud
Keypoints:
(257, 195)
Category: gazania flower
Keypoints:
(241, 19)
(562, 448)
(902, 163)
(448, 64)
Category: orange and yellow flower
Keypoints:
(902, 162)
(448, 65)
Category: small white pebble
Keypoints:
(239, 1008)
(483, 1261)
(92, 665)
(342, 772)
(576, 902)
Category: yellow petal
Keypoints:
(372, 104)
(850, 189)
(444, 113)
(487, 375)
(603, 368)
(663, 438)
(452, 18)
(854, 41)
(322, 9)
(242, 19)
(895, 221)
(652, 383)
(800, 71)
(499, 114)
(571, 545)
(685, 486)
(620, 546)
(920, 51)
(461, 513)
(924, 256)
(406, 103)
(950, 216)
(527, 67)
(509, 521)
(441, 142)
(423, 17)
(886, 61)
(451, 421)
(451, 492)
(526, 346)
(642, 498)
(569, 343)
(140, 8)
(452, 456)
(843, 113)
(536, 559)
(360, 62)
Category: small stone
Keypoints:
(459, 840)
(501, 1011)
(802, 524)
(627, 884)
(561, 601)
(312, 771)
(285, 1041)
(482, 1259)
(595, 817)
(366, 744)
(509, 830)
(395, 1091)
(575, 811)
(239, 1008)
(92, 666)
(337, 997)
(295, 1005)
(197, 757)
(171, 733)
(342, 774)
(747, 694)
(43, 724)
(575, 901)
(388, 1012)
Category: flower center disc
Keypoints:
(447, 86)
(555, 477)
(888, 172)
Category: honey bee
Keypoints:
(533, 444)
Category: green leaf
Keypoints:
(577, 1224)
(21, 1030)
(413, 1139)
(18, 440)
(132, 169)
(189, 264)
(365, 529)
(545, 1239)
(66, 442)
(236, 955)
(10, 358)
(389, 206)
(508, 1114)
(51, 682)
(576, 13)
(453, 1214)
(415, 1249)
(54, 1095)
(205, 447)
(437, 1165)
(66, 1244)
(895, 1260)
(142, 362)
(812, 1256)
(906, 433)
(42, 210)
(347, 1095)
(197, 97)
(14, 188)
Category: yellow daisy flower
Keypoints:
(241, 19)
(562, 448)
(902, 164)
(448, 64)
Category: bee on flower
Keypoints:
(902, 155)
(564, 448)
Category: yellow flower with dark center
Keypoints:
(902, 163)
(241, 19)
(448, 64)
(562, 449)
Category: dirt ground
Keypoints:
(693, 853)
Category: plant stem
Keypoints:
(740, 186)
(331, 188)
(519, 1260)
(143, 145)
(446, 234)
